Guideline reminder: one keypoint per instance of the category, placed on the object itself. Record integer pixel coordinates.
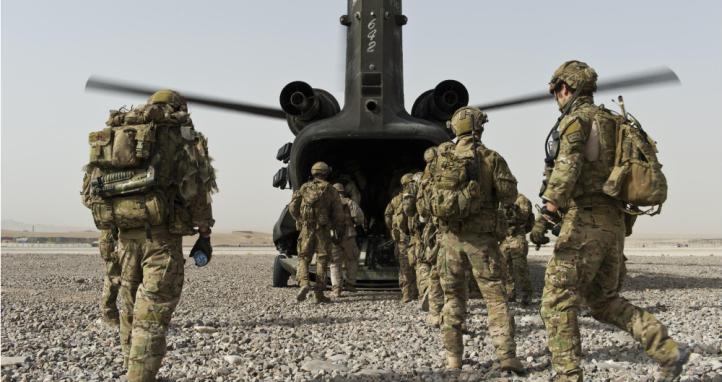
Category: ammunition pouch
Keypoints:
(127, 212)
(122, 146)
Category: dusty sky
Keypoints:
(247, 50)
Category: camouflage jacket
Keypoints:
(581, 166)
(352, 215)
(520, 216)
(326, 211)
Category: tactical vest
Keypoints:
(131, 178)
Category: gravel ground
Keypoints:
(231, 325)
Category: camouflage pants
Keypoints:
(151, 284)
(585, 268)
(111, 280)
(421, 268)
(436, 294)
(514, 250)
(310, 241)
(345, 255)
(480, 253)
(407, 276)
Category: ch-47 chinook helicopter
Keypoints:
(370, 142)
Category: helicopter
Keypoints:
(372, 140)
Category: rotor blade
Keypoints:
(95, 83)
(654, 77)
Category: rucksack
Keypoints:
(636, 178)
(454, 194)
(122, 187)
(311, 210)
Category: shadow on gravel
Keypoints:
(665, 281)
(295, 322)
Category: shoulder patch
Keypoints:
(572, 127)
(574, 137)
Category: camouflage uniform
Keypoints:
(434, 294)
(415, 229)
(587, 262)
(346, 253)
(315, 220)
(514, 249)
(398, 224)
(111, 281)
(149, 244)
(470, 241)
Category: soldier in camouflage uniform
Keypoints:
(346, 253)
(396, 220)
(434, 296)
(585, 267)
(514, 250)
(150, 176)
(111, 281)
(469, 184)
(415, 229)
(318, 211)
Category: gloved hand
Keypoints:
(538, 233)
(203, 244)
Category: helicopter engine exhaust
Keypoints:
(440, 103)
(304, 105)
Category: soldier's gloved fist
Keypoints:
(202, 250)
(538, 233)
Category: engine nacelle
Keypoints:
(440, 103)
(304, 105)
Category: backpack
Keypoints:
(311, 209)
(122, 185)
(454, 195)
(636, 178)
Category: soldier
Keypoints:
(415, 229)
(585, 266)
(396, 220)
(434, 296)
(514, 250)
(469, 184)
(111, 282)
(150, 176)
(346, 253)
(318, 211)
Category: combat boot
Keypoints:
(453, 361)
(302, 293)
(406, 297)
(336, 291)
(320, 298)
(512, 364)
(671, 373)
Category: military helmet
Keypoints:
(578, 75)
(430, 154)
(407, 178)
(320, 168)
(339, 188)
(466, 119)
(169, 97)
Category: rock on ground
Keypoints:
(231, 325)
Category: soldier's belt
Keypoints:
(123, 182)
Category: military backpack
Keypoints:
(636, 178)
(455, 195)
(126, 182)
(312, 209)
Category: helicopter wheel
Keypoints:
(280, 275)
